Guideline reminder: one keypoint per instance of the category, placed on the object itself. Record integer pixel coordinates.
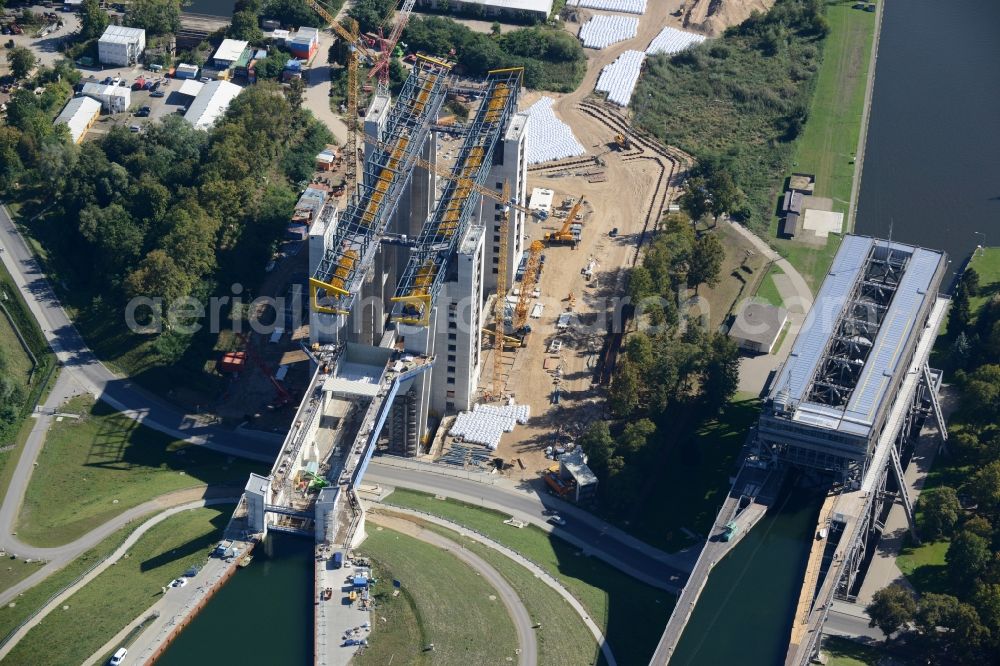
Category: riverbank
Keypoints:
(831, 145)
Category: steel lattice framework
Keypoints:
(854, 333)
(425, 271)
(386, 173)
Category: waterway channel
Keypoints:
(932, 163)
(263, 615)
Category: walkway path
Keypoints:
(528, 655)
(317, 94)
(57, 557)
(114, 557)
(540, 573)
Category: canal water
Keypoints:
(210, 7)
(932, 162)
(744, 615)
(263, 615)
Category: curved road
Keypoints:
(110, 560)
(515, 607)
(585, 531)
(536, 570)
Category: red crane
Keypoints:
(381, 66)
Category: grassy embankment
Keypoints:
(442, 601)
(631, 614)
(924, 565)
(563, 638)
(124, 591)
(829, 140)
(102, 464)
(16, 365)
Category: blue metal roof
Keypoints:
(812, 338)
(886, 354)
(896, 329)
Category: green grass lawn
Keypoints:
(563, 638)
(924, 566)
(451, 606)
(89, 463)
(14, 570)
(844, 652)
(33, 598)
(123, 592)
(631, 614)
(768, 291)
(987, 264)
(829, 140)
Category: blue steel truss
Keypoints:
(386, 173)
(425, 271)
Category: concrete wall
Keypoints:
(511, 165)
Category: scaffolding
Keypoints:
(386, 174)
(425, 272)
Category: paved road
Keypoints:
(88, 373)
(538, 572)
(582, 529)
(114, 557)
(515, 607)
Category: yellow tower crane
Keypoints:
(527, 284)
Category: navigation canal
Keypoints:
(932, 162)
(263, 615)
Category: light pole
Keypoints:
(982, 245)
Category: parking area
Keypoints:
(47, 46)
(146, 105)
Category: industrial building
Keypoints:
(516, 10)
(230, 51)
(211, 103)
(303, 43)
(121, 46)
(79, 115)
(113, 99)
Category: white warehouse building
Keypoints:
(79, 115)
(114, 99)
(211, 103)
(120, 45)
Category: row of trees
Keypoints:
(666, 376)
(552, 59)
(962, 626)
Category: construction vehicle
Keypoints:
(560, 487)
(623, 142)
(283, 396)
(527, 285)
(571, 229)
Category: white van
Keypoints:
(119, 657)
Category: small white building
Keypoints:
(757, 326)
(79, 114)
(114, 99)
(185, 71)
(121, 46)
(229, 51)
(211, 103)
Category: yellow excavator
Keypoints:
(571, 229)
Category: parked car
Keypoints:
(119, 657)
(135, 128)
(557, 520)
(157, 93)
(143, 112)
(179, 582)
(614, 232)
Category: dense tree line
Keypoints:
(156, 17)
(552, 59)
(159, 214)
(740, 100)
(665, 375)
(963, 626)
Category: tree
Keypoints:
(706, 261)
(891, 608)
(985, 487)
(93, 19)
(158, 276)
(292, 13)
(635, 435)
(981, 394)
(963, 628)
(940, 508)
(721, 374)
(245, 25)
(21, 60)
(599, 446)
(156, 17)
(623, 398)
(694, 200)
(370, 13)
(639, 349)
(967, 557)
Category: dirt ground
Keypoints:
(629, 192)
(712, 18)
